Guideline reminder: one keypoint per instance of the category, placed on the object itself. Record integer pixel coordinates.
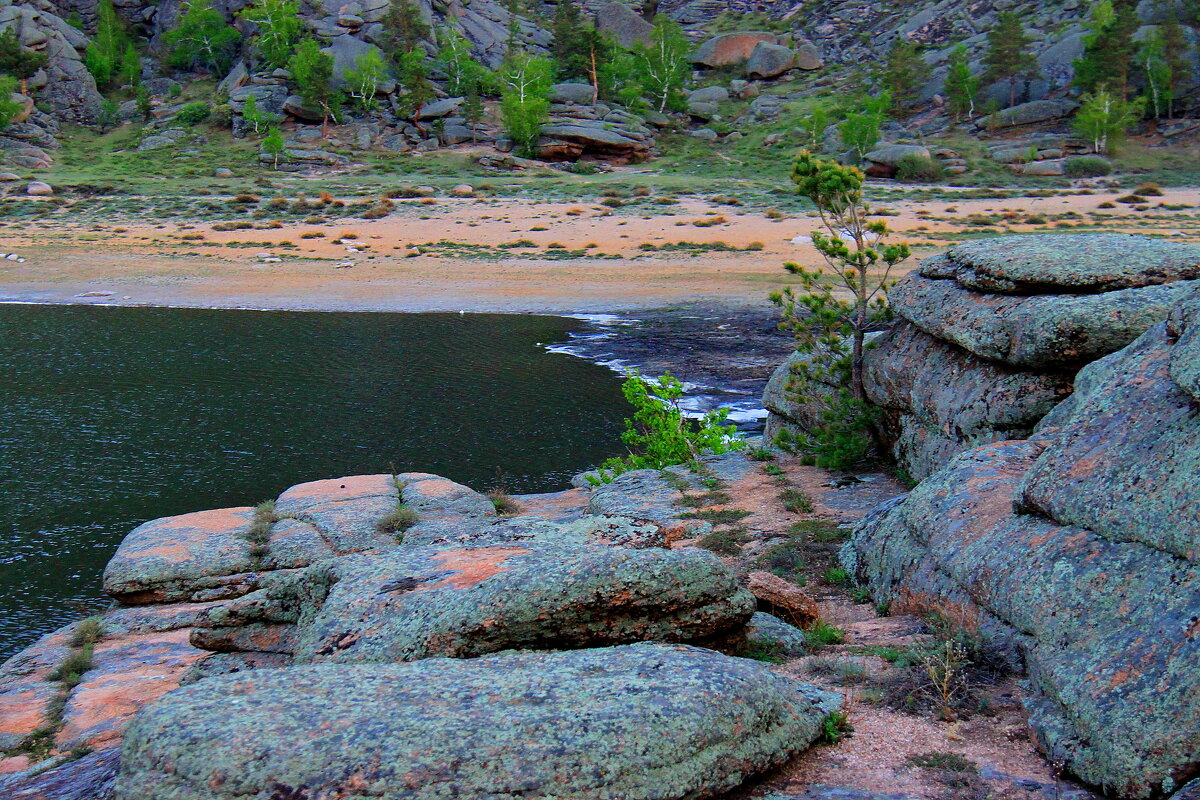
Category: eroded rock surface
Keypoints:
(991, 334)
(646, 720)
(1077, 549)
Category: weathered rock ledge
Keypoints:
(275, 634)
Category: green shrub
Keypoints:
(915, 168)
(193, 113)
(1087, 167)
(659, 435)
(399, 520)
(836, 727)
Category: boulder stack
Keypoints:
(1076, 550)
(991, 333)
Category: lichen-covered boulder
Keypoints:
(1079, 549)
(419, 602)
(1044, 331)
(1068, 262)
(727, 49)
(992, 332)
(642, 721)
(943, 400)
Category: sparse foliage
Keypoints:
(659, 435)
(662, 64)
(364, 79)
(273, 145)
(961, 87)
(460, 67)
(1104, 118)
(860, 129)
(279, 26)
(524, 102)
(414, 80)
(831, 329)
(201, 39)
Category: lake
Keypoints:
(113, 416)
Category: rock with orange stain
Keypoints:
(639, 721)
(345, 512)
(783, 598)
(431, 495)
(127, 673)
(582, 530)
(88, 778)
(418, 602)
(26, 688)
(1077, 550)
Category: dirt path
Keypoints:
(902, 743)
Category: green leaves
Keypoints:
(525, 99)
(279, 27)
(659, 435)
(9, 108)
(202, 39)
(312, 70)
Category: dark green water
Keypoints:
(113, 416)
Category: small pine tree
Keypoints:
(831, 329)
(201, 38)
(414, 79)
(1177, 52)
(1008, 57)
(364, 79)
(403, 29)
(141, 98)
(103, 55)
(274, 146)
(472, 109)
(1108, 48)
(662, 64)
(312, 70)
(279, 25)
(1105, 118)
(568, 48)
(903, 74)
(961, 86)
(525, 100)
(16, 60)
(9, 108)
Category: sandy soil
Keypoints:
(152, 263)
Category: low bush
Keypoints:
(193, 113)
(915, 168)
(1087, 167)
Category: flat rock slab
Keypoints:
(580, 531)
(643, 721)
(652, 494)
(1072, 262)
(1041, 332)
(419, 602)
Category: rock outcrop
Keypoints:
(539, 725)
(991, 334)
(349, 593)
(65, 86)
(1078, 550)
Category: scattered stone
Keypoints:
(462, 190)
(783, 598)
(469, 728)
(772, 630)
(769, 60)
(581, 93)
(222, 172)
(39, 189)
(709, 94)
